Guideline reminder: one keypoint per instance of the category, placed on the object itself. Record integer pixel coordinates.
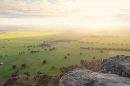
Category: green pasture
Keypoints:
(11, 47)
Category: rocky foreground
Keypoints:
(115, 72)
(119, 65)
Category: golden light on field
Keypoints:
(12, 35)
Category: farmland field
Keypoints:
(49, 51)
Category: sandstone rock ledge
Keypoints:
(119, 65)
(88, 78)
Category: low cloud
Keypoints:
(33, 7)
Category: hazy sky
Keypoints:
(86, 13)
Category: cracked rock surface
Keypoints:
(89, 78)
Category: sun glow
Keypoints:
(51, 22)
(82, 13)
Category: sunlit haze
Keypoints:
(72, 13)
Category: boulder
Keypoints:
(88, 78)
(119, 65)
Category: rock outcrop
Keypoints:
(119, 65)
(89, 78)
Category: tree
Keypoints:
(53, 67)
(44, 62)
(39, 73)
(65, 57)
(93, 57)
(23, 65)
(81, 53)
(45, 49)
(26, 73)
(14, 67)
(3, 47)
(68, 54)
